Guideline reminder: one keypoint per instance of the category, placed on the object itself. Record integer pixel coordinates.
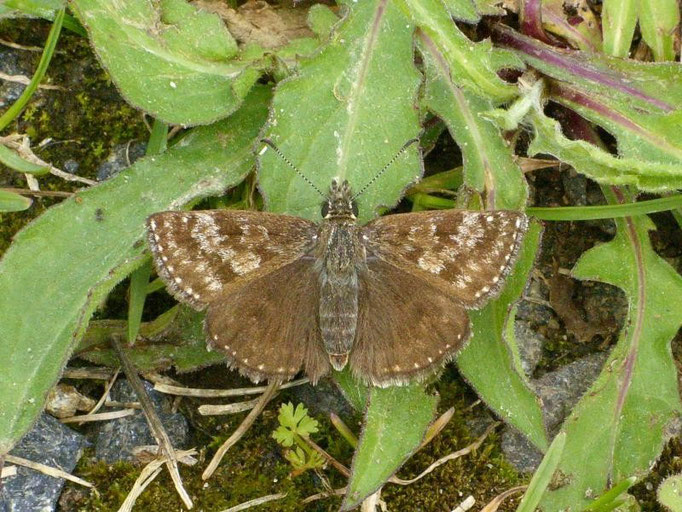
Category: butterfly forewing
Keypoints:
(268, 328)
(465, 254)
(202, 255)
(406, 326)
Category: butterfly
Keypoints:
(283, 294)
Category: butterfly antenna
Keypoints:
(382, 171)
(288, 162)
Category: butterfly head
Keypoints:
(339, 202)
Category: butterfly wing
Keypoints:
(466, 254)
(406, 326)
(201, 255)
(268, 328)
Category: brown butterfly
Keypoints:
(389, 298)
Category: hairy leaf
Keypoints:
(346, 114)
(168, 58)
(47, 296)
(621, 424)
(394, 426)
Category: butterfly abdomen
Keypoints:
(338, 254)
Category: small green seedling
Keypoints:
(295, 426)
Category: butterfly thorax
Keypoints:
(339, 254)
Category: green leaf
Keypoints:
(394, 426)
(598, 164)
(487, 361)
(168, 58)
(11, 202)
(659, 21)
(174, 339)
(13, 160)
(321, 20)
(352, 390)
(543, 475)
(620, 426)
(473, 65)
(619, 18)
(346, 114)
(670, 493)
(637, 102)
(47, 296)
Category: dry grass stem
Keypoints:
(497, 500)
(8, 471)
(105, 395)
(220, 393)
(102, 416)
(256, 502)
(46, 470)
(436, 427)
(216, 410)
(88, 373)
(465, 505)
(324, 495)
(155, 425)
(331, 460)
(242, 428)
(23, 79)
(459, 453)
(127, 405)
(37, 193)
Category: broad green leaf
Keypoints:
(353, 391)
(168, 58)
(174, 339)
(11, 202)
(670, 493)
(321, 20)
(487, 361)
(47, 296)
(637, 102)
(394, 426)
(621, 424)
(463, 10)
(473, 65)
(599, 165)
(488, 162)
(619, 18)
(346, 114)
(543, 475)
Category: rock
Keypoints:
(48, 442)
(322, 399)
(559, 391)
(530, 345)
(116, 439)
(121, 157)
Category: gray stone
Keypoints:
(116, 439)
(559, 391)
(121, 157)
(530, 345)
(48, 442)
(10, 65)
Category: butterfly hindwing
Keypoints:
(406, 327)
(465, 254)
(201, 255)
(268, 328)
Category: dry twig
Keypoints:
(497, 500)
(256, 502)
(242, 428)
(102, 416)
(220, 393)
(47, 470)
